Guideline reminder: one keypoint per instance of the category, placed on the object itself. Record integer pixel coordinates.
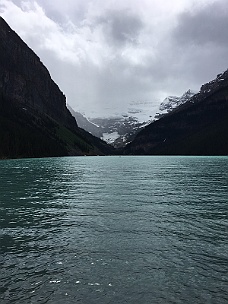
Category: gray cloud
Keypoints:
(206, 26)
(201, 41)
(106, 54)
(121, 27)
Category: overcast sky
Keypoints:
(108, 53)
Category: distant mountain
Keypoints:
(198, 127)
(34, 119)
(122, 128)
(116, 131)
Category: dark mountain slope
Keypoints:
(199, 127)
(34, 119)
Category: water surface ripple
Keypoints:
(114, 230)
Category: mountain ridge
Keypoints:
(198, 127)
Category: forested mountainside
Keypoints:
(198, 127)
(34, 119)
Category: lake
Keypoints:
(114, 230)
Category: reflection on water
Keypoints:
(114, 230)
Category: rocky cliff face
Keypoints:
(198, 127)
(24, 79)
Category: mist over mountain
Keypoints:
(34, 119)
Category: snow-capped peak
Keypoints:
(172, 102)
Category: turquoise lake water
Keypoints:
(114, 230)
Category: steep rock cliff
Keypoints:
(24, 79)
(34, 119)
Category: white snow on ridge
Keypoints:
(172, 102)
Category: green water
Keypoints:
(114, 230)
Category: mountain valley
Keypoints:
(36, 122)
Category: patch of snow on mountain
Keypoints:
(110, 137)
